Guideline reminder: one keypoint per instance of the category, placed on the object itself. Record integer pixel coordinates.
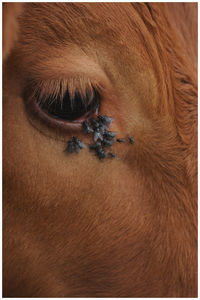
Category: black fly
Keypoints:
(109, 134)
(98, 149)
(86, 127)
(95, 146)
(105, 120)
(71, 148)
(131, 140)
(102, 127)
(102, 138)
(94, 123)
(100, 153)
(111, 154)
(120, 140)
(78, 142)
(107, 143)
(97, 135)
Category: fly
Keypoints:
(95, 146)
(94, 123)
(71, 148)
(102, 127)
(112, 155)
(107, 143)
(78, 143)
(105, 120)
(131, 140)
(121, 140)
(97, 135)
(109, 134)
(101, 136)
(87, 128)
(100, 153)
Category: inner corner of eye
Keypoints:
(71, 106)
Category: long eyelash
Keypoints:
(54, 90)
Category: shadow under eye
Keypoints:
(71, 108)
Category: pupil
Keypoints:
(72, 109)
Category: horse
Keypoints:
(108, 210)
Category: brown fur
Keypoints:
(75, 227)
(10, 25)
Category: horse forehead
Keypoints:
(81, 23)
(107, 33)
(68, 14)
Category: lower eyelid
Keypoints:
(35, 111)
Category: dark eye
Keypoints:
(71, 107)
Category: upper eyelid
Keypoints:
(65, 63)
(70, 66)
(57, 87)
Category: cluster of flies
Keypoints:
(102, 138)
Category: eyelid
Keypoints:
(54, 88)
(65, 63)
(36, 114)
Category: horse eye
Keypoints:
(71, 108)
